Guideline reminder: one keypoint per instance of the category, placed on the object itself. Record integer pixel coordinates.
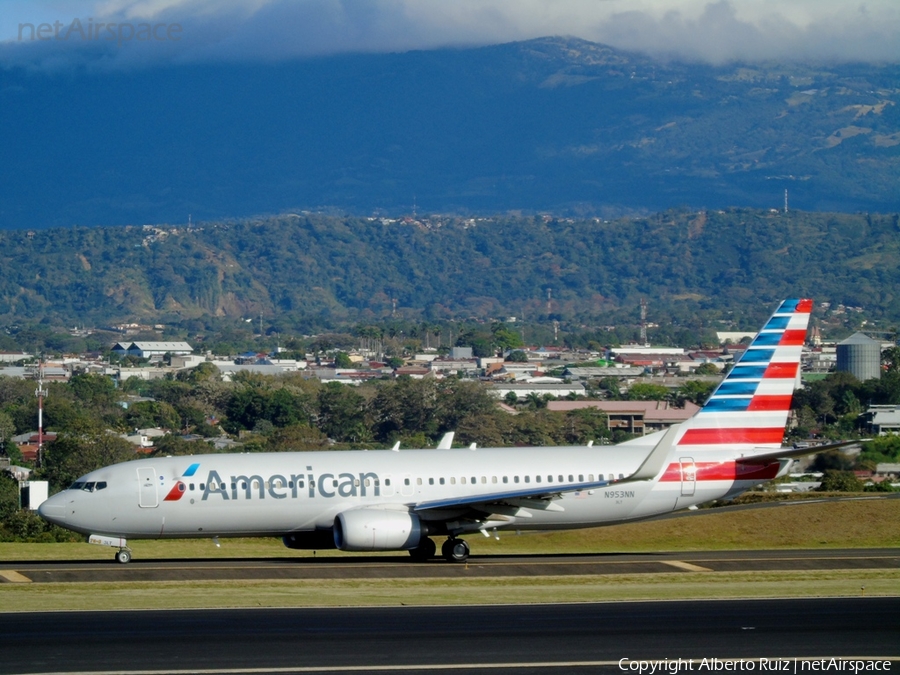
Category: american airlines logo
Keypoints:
(280, 486)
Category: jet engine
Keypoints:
(377, 530)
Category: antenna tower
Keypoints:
(644, 322)
(549, 299)
(40, 392)
(785, 201)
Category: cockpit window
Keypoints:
(88, 486)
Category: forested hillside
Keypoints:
(312, 272)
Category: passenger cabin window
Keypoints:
(431, 481)
(452, 480)
(442, 480)
(505, 479)
(527, 479)
(515, 479)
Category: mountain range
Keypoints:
(554, 125)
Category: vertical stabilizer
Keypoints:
(749, 408)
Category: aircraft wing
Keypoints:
(542, 496)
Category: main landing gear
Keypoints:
(424, 550)
(453, 550)
(123, 556)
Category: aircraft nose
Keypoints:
(53, 510)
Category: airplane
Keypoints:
(395, 500)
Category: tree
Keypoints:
(511, 398)
(201, 373)
(644, 391)
(342, 413)
(835, 480)
(7, 428)
(694, 391)
(707, 369)
(535, 400)
(517, 356)
(504, 338)
(342, 360)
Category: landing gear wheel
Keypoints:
(123, 556)
(423, 551)
(455, 550)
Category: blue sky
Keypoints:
(241, 30)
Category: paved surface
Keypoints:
(582, 638)
(480, 566)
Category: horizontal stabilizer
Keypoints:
(768, 454)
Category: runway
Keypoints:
(401, 566)
(573, 638)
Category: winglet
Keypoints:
(447, 441)
(656, 460)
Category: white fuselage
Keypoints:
(274, 494)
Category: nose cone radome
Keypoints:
(54, 510)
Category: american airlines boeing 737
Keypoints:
(391, 500)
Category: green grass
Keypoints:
(388, 592)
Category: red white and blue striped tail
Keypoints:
(749, 408)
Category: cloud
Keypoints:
(239, 30)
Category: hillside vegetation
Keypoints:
(312, 272)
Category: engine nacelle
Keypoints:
(377, 530)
